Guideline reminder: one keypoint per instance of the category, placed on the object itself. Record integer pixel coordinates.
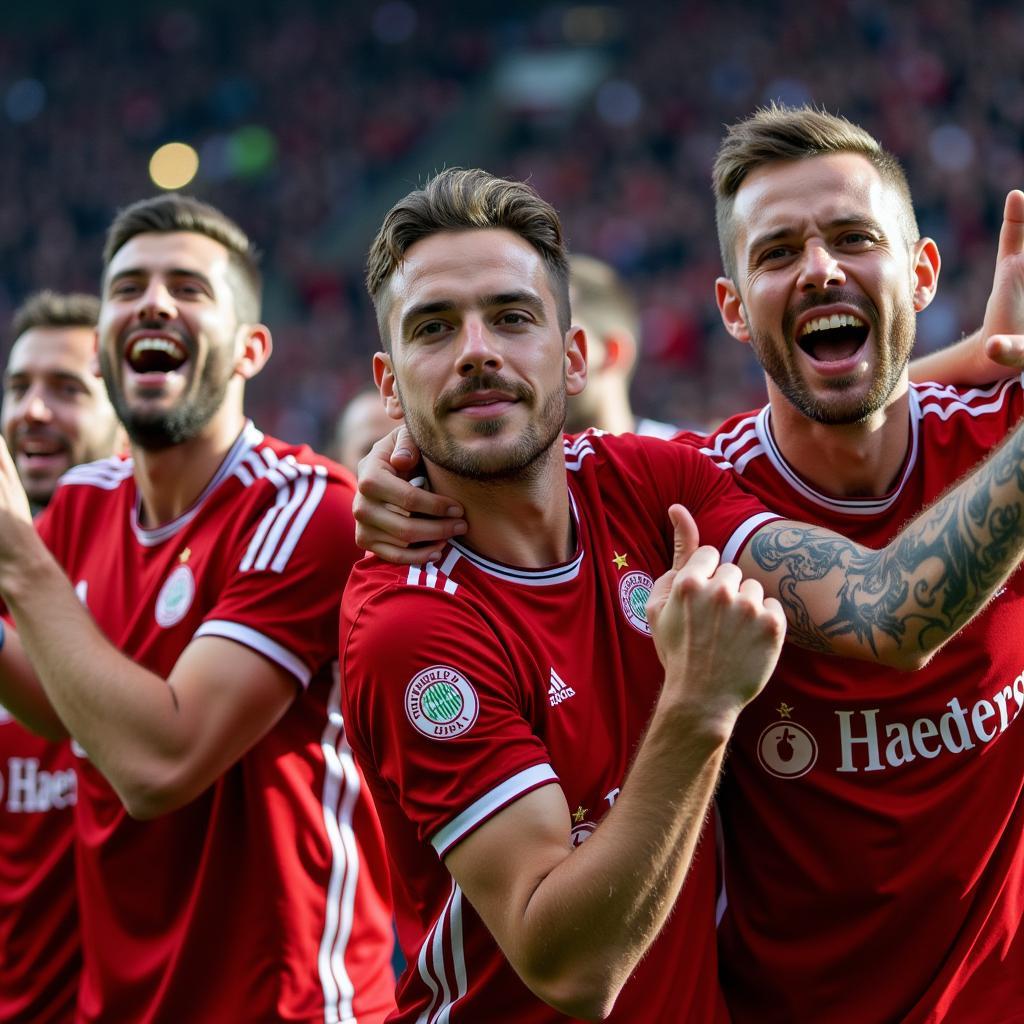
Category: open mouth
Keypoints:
(41, 450)
(156, 355)
(831, 339)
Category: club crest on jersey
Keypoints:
(175, 597)
(785, 749)
(634, 589)
(441, 703)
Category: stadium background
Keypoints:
(310, 119)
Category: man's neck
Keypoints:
(171, 479)
(525, 523)
(849, 460)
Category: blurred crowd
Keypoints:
(309, 118)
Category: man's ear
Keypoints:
(927, 263)
(387, 384)
(619, 352)
(730, 308)
(575, 360)
(257, 344)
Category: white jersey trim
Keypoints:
(107, 474)
(743, 533)
(246, 440)
(752, 437)
(249, 637)
(338, 799)
(489, 804)
(446, 988)
(546, 577)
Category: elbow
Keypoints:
(145, 798)
(907, 660)
(583, 997)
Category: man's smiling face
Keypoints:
(828, 283)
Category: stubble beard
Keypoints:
(837, 409)
(516, 461)
(155, 431)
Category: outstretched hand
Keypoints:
(1003, 326)
(716, 634)
(396, 520)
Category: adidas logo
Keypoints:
(558, 691)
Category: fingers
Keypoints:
(1011, 235)
(1006, 349)
(687, 537)
(405, 455)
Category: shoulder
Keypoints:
(294, 504)
(946, 401)
(104, 475)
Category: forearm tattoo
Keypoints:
(924, 585)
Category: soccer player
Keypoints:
(518, 653)
(55, 415)
(603, 306)
(873, 821)
(229, 864)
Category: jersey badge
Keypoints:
(558, 691)
(175, 597)
(634, 589)
(441, 703)
(786, 749)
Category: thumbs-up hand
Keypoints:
(717, 635)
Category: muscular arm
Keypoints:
(900, 604)
(574, 922)
(158, 742)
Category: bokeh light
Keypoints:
(173, 165)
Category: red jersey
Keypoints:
(469, 683)
(40, 953)
(873, 820)
(263, 898)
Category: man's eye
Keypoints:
(124, 289)
(430, 329)
(513, 318)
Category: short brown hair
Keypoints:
(164, 214)
(459, 199)
(53, 309)
(779, 132)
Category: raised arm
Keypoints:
(996, 349)
(718, 640)
(900, 604)
(158, 741)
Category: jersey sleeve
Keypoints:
(287, 574)
(435, 709)
(726, 516)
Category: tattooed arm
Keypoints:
(900, 604)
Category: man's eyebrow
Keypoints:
(531, 300)
(520, 298)
(424, 309)
(787, 231)
(173, 272)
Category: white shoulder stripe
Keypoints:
(271, 547)
(490, 803)
(249, 637)
(431, 577)
(340, 793)
(107, 474)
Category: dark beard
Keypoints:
(891, 362)
(521, 460)
(157, 431)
